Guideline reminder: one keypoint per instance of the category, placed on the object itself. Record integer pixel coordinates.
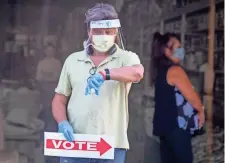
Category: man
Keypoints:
(48, 71)
(98, 81)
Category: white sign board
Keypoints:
(85, 146)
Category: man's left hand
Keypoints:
(94, 82)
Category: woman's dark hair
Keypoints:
(158, 57)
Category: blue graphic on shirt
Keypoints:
(182, 122)
(179, 99)
(188, 110)
(187, 116)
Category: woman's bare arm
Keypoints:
(176, 76)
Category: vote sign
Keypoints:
(84, 146)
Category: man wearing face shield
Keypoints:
(97, 80)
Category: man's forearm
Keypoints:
(127, 74)
(59, 110)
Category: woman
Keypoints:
(168, 77)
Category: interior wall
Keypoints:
(67, 31)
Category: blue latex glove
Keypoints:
(67, 130)
(94, 82)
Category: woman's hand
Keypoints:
(201, 119)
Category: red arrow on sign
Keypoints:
(102, 146)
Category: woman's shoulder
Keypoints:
(176, 69)
(175, 74)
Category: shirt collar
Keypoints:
(114, 53)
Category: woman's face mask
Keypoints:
(175, 49)
(179, 53)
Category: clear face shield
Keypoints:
(103, 35)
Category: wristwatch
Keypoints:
(107, 74)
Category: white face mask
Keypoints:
(103, 43)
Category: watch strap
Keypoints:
(107, 74)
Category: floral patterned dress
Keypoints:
(187, 116)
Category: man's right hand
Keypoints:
(67, 130)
